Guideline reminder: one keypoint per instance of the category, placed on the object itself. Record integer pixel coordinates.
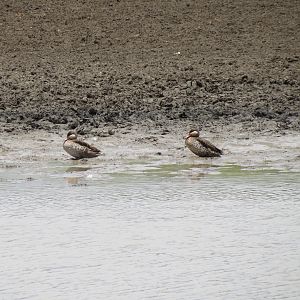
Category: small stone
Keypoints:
(189, 92)
(165, 131)
(9, 129)
(92, 111)
(111, 132)
(194, 84)
(73, 125)
(46, 88)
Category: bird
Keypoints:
(79, 149)
(200, 146)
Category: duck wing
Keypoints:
(207, 144)
(90, 147)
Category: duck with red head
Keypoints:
(79, 149)
(200, 146)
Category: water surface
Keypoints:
(150, 230)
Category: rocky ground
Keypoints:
(90, 64)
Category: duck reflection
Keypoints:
(77, 169)
(75, 181)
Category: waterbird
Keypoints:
(200, 146)
(79, 149)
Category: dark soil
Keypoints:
(73, 63)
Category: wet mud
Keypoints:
(91, 64)
(146, 152)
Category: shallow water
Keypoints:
(150, 229)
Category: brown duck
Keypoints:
(79, 149)
(200, 146)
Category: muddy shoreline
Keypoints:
(90, 65)
(138, 149)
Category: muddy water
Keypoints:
(150, 228)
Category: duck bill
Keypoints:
(187, 136)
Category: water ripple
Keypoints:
(151, 237)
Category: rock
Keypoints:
(111, 132)
(92, 111)
(73, 125)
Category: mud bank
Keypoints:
(139, 149)
(91, 64)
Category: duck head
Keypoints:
(72, 135)
(193, 133)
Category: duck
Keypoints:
(79, 149)
(200, 146)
